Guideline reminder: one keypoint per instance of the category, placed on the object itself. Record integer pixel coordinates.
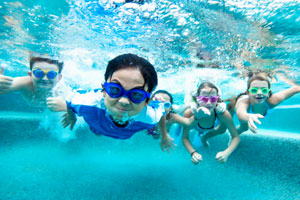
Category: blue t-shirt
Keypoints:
(90, 105)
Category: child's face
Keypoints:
(128, 78)
(208, 98)
(44, 82)
(258, 96)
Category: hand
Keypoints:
(200, 112)
(56, 104)
(196, 158)
(221, 108)
(254, 118)
(221, 157)
(166, 143)
(159, 98)
(69, 118)
(5, 82)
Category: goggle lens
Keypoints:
(167, 105)
(204, 99)
(115, 90)
(255, 90)
(39, 73)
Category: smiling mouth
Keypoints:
(259, 98)
(43, 82)
(122, 110)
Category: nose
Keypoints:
(45, 78)
(259, 91)
(124, 101)
(208, 102)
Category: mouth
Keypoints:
(209, 107)
(44, 83)
(259, 98)
(122, 110)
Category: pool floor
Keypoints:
(35, 165)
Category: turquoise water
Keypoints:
(41, 160)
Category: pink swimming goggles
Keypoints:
(204, 99)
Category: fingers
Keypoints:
(168, 147)
(260, 116)
(51, 103)
(221, 107)
(5, 82)
(65, 122)
(6, 79)
(205, 110)
(195, 162)
(256, 120)
(167, 144)
(196, 158)
(72, 125)
(252, 126)
(221, 158)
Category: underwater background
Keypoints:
(185, 41)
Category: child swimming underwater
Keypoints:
(120, 109)
(171, 116)
(44, 75)
(207, 119)
(255, 103)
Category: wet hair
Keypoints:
(163, 92)
(258, 77)
(256, 72)
(133, 61)
(47, 60)
(209, 85)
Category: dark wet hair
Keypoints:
(133, 61)
(163, 92)
(209, 85)
(47, 60)
(258, 77)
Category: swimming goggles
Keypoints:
(167, 105)
(254, 90)
(40, 73)
(204, 99)
(115, 90)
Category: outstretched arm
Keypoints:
(226, 119)
(184, 121)
(166, 142)
(279, 97)
(9, 84)
(196, 157)
(245, 117)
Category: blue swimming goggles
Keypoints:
(115, 90)
(40, 73)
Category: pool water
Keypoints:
(41, 160)
(35, 165)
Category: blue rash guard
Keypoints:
(90, 105)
